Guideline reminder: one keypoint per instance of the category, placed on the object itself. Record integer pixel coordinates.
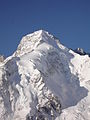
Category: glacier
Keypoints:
(44, 80)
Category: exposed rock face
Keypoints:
(44, 80)
(2, 58)
(81, 52)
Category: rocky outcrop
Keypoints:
(80, 51)
(2, 58)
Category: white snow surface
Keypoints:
(44, 80)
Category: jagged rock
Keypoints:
(2, 58)
(81, 52)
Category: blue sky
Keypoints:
(69, 20)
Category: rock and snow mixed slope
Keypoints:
(44, 80)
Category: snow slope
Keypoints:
(44, 80)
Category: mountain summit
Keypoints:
(44, 80)
(32, 41)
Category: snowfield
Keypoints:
(44, 80)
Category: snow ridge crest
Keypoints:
(32, 41)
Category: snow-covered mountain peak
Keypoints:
(44, 80)
(40, 33)
(33, 41)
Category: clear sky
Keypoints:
(69, 20)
